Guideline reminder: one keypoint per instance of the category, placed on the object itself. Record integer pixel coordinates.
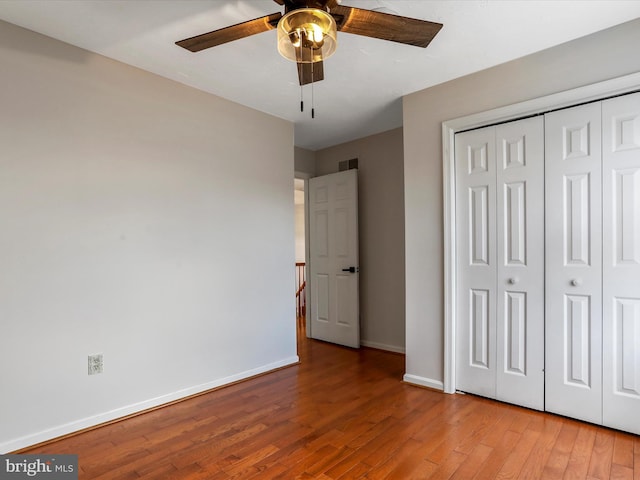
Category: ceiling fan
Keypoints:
(307, 32)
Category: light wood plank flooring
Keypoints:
(345, 414)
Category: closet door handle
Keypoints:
(576, 282)
(513, 280)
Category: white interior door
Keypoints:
(476, 261)
(500, 253)
(573, 203)
(520, 262)
(621, 263)
(333, 258)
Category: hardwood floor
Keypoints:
(345, 414)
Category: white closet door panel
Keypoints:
(573, 203)
(520, 262)
(621, 263)
(476, 257)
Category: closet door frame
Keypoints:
(538, 106)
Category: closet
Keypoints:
(548, 262)
(500, 251)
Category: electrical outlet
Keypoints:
(95, 364)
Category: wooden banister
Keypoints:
(301, 288)
(301, 282)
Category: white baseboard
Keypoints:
(382, 346)
(423, 382)
(88, 422)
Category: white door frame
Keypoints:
(597, 91)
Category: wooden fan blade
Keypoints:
(384, 26)
(228, 34)
(279, 2)
(307, 75)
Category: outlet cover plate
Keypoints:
(95, 364)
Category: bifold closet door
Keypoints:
(476, 258)
(520, 242)
(573, 179)
(500, 255)
(593, 262)
(621, 262)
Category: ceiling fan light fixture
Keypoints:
(307, 35)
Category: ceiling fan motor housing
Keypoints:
(307, 35)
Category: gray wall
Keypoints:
(598, 57)
(305, 161)
(143, 220)
(381, 227)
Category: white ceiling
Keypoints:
(364, 80)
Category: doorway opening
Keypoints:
(301, 286)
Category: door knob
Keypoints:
(575, 282)
(350, 270)
(513, 280)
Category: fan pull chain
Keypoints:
(301, 100)
(313, 111)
